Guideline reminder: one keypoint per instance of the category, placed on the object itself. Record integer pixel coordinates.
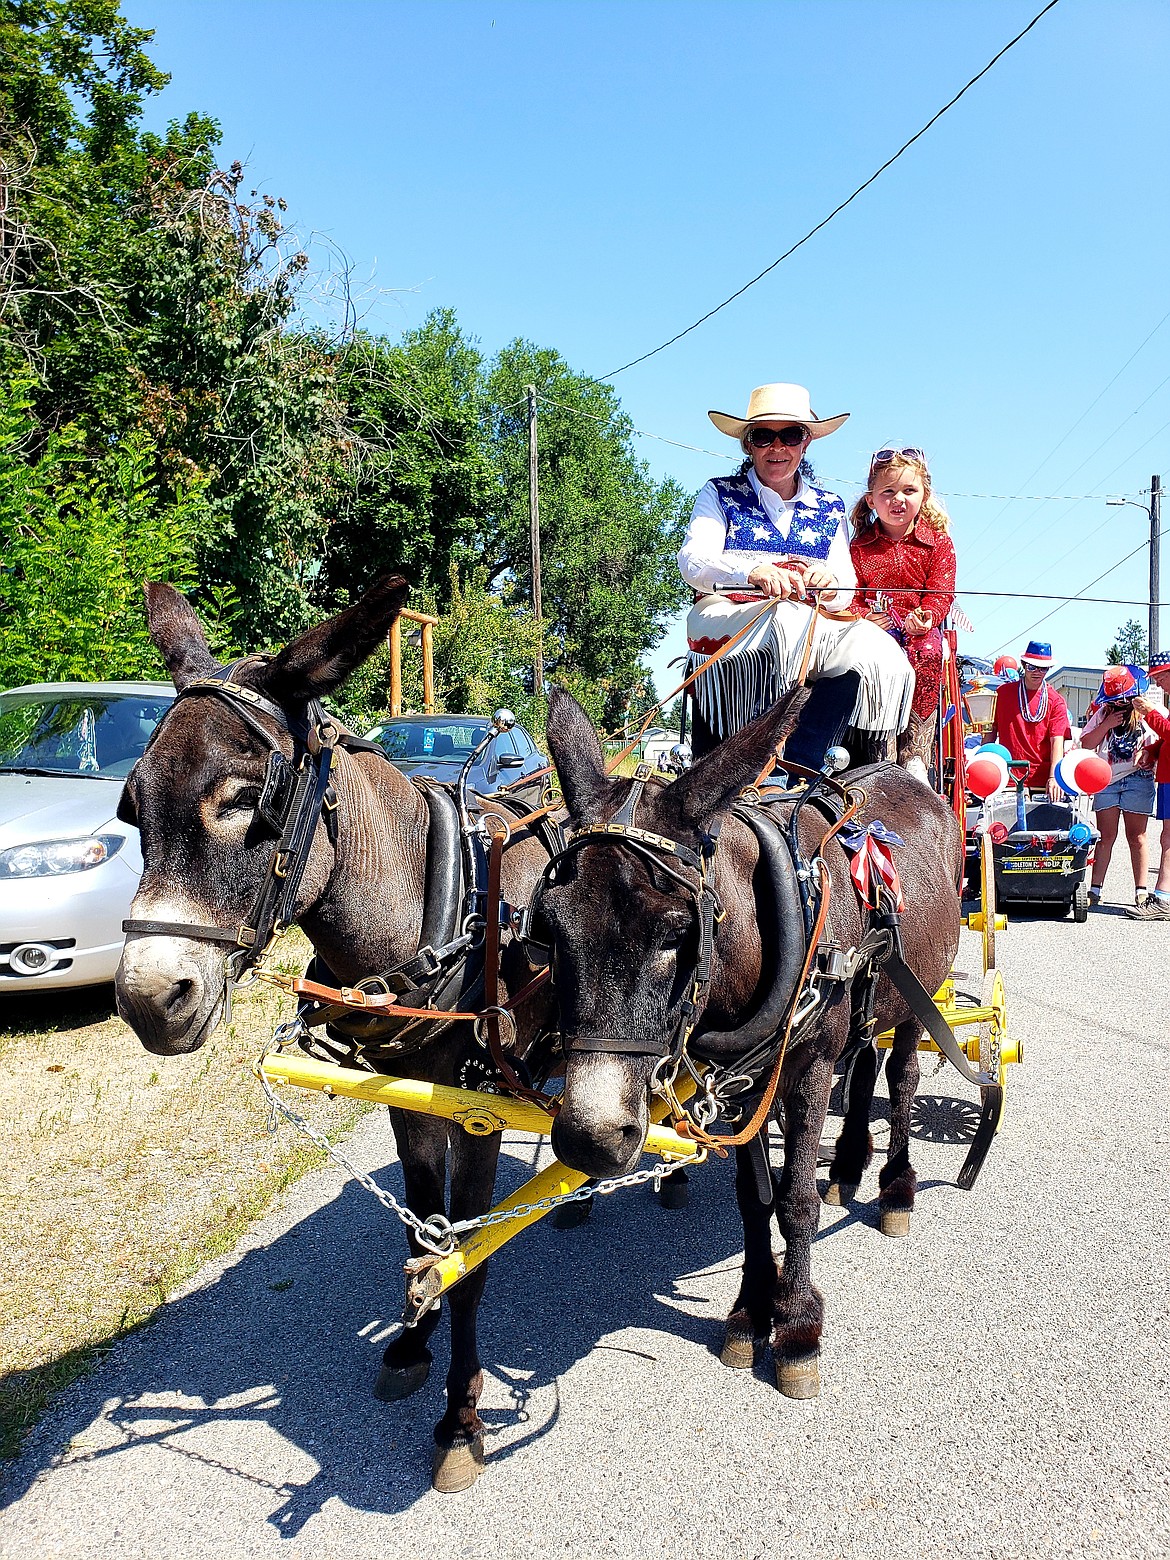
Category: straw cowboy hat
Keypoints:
(779, 404)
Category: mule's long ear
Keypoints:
(178, 634)
(709, 789)
(572, 741)
(321, 659)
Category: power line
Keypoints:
(837, 209)
(1080, 596)
(1029, 498)
(1002, 563)
(1081, 419)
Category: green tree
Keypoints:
(78, 544)
(1129, 648)
(145, 288)
(412, 486)
(609, 533)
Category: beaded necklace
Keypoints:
(1041, 708)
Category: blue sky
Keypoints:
(594, 176)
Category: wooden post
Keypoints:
(426, 625)
(534, 531)
(428, 658)
(396, 667)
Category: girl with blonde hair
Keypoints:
(905, 567)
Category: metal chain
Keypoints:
(438, 1234)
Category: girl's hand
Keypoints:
(918, 622)
(880, 619)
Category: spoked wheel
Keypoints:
(992, 1035)
(993, 1030)
(987, 895)
(1080, 904)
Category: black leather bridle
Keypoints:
(292, 800)
(659, 851)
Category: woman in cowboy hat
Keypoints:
(768, 533)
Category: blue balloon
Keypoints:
(1066, 784)
(1080, 834)
(997, 747)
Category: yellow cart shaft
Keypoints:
(430, 1277)
(476, 1113)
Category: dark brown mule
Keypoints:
(195, 795)
(625, 941)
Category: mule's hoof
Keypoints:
(397, 1382)
(839, 1194)
(738, 1352)
(567, 1216)
(895, 1221)
(799, 1378)
(674, 1194)
(457, 1467)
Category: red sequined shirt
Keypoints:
(915, 571)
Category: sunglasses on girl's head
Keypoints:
(764, 438)
(879, 457)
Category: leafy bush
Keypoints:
(78, 542)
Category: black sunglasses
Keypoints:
(764, 438)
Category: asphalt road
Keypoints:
(995, 1385)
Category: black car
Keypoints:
(439, 746)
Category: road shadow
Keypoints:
(291, 1335)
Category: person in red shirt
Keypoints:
(1157, 906)
(905, 566)
(1031, 720)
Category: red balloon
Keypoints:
(986, 774)
(1092, 773)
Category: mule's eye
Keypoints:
(245, 800)
(673, 934)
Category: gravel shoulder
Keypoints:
(993, 1386)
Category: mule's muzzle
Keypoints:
(604, 1116)
(170, 1006)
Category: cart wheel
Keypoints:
(987, 895)
(992, 1032)
(1080, 904)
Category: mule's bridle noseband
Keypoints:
(292, 800)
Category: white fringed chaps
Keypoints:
(766, 662)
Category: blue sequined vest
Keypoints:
(815, 519)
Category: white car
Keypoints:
(68, 867)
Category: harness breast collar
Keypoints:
(291, 803)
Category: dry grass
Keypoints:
(122, 1174)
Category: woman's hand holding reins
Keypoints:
(785, 581)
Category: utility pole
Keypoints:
(534, 529)
(1155, 558)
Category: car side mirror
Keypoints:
(511, 761)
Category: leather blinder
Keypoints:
(277, 792)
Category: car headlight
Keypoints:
(51, 858)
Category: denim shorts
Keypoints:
(1162, 808)
(1133, 793)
